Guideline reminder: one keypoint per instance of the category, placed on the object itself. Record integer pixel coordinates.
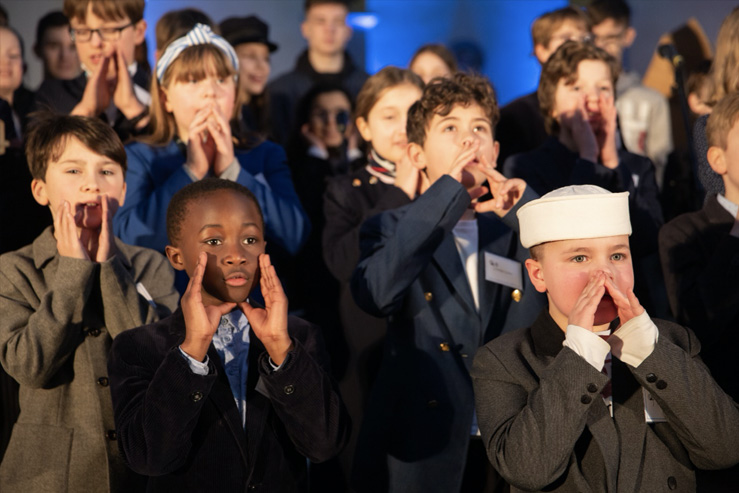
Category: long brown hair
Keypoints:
(196, 62)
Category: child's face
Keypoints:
(568, 30)
(725, 162)
(565, 268)
(81, 177)
(254, 67)
(323, 117)
(384, 127)
(92, 52)
(448, 136)
(613, 37)
(227, 226)
(429, 66)
(11, 63)
(325, 29)
(59, 54)
(185, 98)
(592, 88)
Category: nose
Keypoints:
(469, 138)
(235, 255)
(96, 39)
(91, 183)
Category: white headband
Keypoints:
(199, 35)
(574, 212)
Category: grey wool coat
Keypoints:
(546, 427)
(59, 318)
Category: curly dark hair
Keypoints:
(178, 206)
(442, 95)
(563, 64)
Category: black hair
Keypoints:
(55, 18)
(601, 10)
(178, 206)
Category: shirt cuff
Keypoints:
(735, 229)
(634, 341)
(190, 173)
(232, 172)
(588, 345)
(317, 152)
(277, 367)
(197, 367)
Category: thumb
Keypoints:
(224, 308)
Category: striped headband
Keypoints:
(199, 35)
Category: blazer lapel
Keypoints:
(450, 265)
(258, 405)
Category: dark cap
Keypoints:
(251, 29)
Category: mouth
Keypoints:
(88, 205)
(237, 279)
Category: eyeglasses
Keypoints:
(83, 35)
(609, 39)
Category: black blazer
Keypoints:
(184, 431)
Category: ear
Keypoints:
(364, 129)
(536, 274)
(165, 100)
(304, 29)
(542, 53)
(123, 196)
(139, 32)
(717, 159)
(38, 190)
(629, 36)
(496, 153)
(416, 155)
(175, 257)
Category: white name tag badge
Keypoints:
(652, 412)
(503, 271)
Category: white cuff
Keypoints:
(232, 172)
(317, 152)
(197, 367)
(588, 345)
(634, 340)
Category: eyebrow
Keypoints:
(206, 226)
(83, 161)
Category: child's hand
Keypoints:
(270, 323)
(201, 321)
(98, 90)
(506, 191)
(574, 126)
(627, 303)
(219, 131)
(199, 154)
(407, 176)
(106, 239)
(583, 312)
(312, 138)
(606, 134)
(124, 96)
(68, 244)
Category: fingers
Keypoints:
(463, 158)
(195, 285)
(583, 312)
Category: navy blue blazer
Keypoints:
(184, 431)
(418, 424)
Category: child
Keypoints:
(55, 48)
(521, 126)
(325, 60)
(576, 94)
(700, 255)
(224, 395)
(431, 61)
(449, 278)
(643, 113)
(113, 86)
(193, 106)
(387, 181)
(250, 38)
(543, 393)
(64, 299)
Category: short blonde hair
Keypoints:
(721, 120)
(724, 73)
(544, 26)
